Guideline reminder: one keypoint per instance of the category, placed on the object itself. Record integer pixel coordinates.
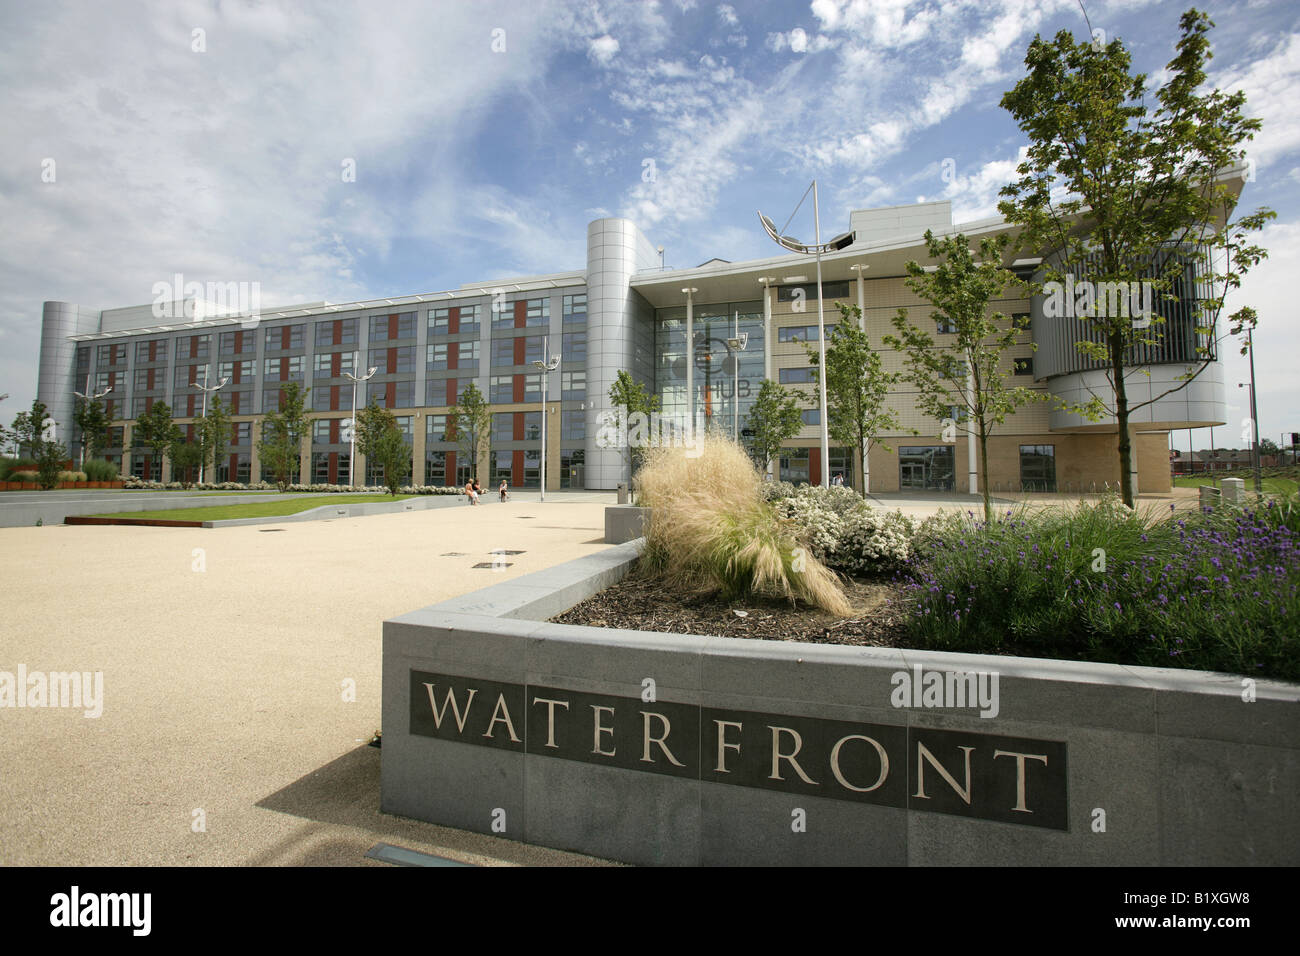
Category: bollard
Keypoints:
(622, 492)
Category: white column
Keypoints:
(970, 436)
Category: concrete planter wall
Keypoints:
(558, 745)
(625, 523)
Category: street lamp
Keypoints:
(547, 365)
(1255, 462)
(205, 388)
(690, 356)
(842, 241)
(737, 345)
(86, 398)
(352, 453)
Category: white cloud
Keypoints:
(727, 14)
(602, 49)
(1270, 85)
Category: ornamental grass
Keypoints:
(710, 529)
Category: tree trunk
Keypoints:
(984, 474)
(1121, 420)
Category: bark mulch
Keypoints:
(646, 605)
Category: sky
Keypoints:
(345, 151)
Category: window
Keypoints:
(320, 398)
(436, 356)
(795, 376)
(812, 416)
(573, 425)
(228, 370)
(532, 426)
(926, 467)
(435, 468)
(573, 347)
(801, 333)
(1023, 366)
(467, 353)
(572, 467)
(288, 369)
(403, 394)
(794, 465)
(193, 346)
(1037, 467)
(275, 337)
(237, 343)
(533, 349)
(325, 364)
(241, 433)
(404, 359)
(439, 321)
(469, 318)
(503, 313)
(380, 325)
(101, 380)
(325, 332)
(945, 326)
(533, 387)
(538, 312)
(320, 431)
(503, 352)
(404, 426)
(141, 379)
(187, 375)
(83, 361)
(271, 399)
(573, 386)
(501, 388)
(503, 426)
(159, 351)
(501, 467)
(436, 428)
(575, 307)
(830, 290)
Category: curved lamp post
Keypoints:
(205, 388)
(816, 249)
(352, 453)
(85, 398)
(547, 364)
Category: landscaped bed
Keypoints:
(1215, 590)
(277, 507)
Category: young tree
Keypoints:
(629, 397)
(31, 431)
(857, 389)
(968, 373)
(381, 440)
(1144, 196)
(394, 454)
(213, 435)
(156, 431)
(280, 447)
(92, 419)
(773, 419)
(471, 419)
(186, 457)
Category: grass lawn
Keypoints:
(1272, 486)
(256, 509)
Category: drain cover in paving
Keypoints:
(453, 554)
(503, 551)
(268, 530)
(493, 564)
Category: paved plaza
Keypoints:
(224, 654)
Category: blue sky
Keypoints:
(225, 163)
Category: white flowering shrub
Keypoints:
(844, 531)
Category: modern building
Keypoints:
(624, 310)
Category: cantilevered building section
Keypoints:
(622, 311)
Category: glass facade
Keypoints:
(926, 468)
(723, 374)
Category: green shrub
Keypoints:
(73, 476)
(97, 469)
(1213, 591)
(24, 475)
(18, 464)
